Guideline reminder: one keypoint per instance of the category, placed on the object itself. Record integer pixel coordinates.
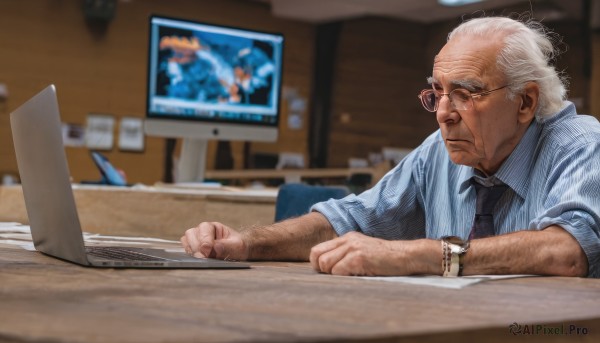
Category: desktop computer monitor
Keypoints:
(211, 82)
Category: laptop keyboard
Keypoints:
(116, 253)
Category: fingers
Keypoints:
(185, 244)
(321, 257)
(200, 241)
(214, 240)
(351, 254)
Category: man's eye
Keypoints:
(461, 94)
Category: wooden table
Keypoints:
(43, 299)
(164, 212)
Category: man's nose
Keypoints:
(446, 111)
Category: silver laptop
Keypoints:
(55, 227)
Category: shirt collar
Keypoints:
(515, 171)
(464, 176)
(468, 173)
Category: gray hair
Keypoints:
(527, 55)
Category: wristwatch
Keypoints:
(453, 252)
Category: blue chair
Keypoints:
(295, 199)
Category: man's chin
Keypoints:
(461, 158)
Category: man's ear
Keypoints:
(529, 102)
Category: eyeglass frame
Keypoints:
(440, 95)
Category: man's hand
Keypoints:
(357, 254)
(215, 240)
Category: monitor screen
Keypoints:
(208, 73)
(211, 82)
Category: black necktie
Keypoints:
(487, 197)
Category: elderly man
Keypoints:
(509, 184)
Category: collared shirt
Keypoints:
(553, 176)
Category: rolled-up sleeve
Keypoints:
(389, 210)
(573, 200)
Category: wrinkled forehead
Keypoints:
(469, 61)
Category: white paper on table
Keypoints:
(142, 240)
(444, 282)
(27, 245)
(6, 227)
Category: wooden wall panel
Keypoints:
(383, 65)
(594, 92)
(574, 62)
(50, 42)
(381, 69)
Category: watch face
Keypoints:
(454, 240)
(457, 241)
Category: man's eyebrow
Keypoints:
(470, 84)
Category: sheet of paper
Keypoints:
(436, 281)
(73, 135)
(24, 236)
(444, 282)
(23, 244)
(6, 227)
(131, 134)
(19, 235)
(99, 131)
(103, 238)
(9, 224)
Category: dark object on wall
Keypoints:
(100, 10)
(326, 42)
(224, 157)
(170, 144)
(590, 14)
(262, 161)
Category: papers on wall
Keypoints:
(131, 134)
(99, 131)
(394, 154)
(73, 135)
(296, 108)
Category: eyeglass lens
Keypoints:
(459, 98)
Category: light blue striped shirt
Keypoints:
(553, 177)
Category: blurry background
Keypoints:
(352, 70)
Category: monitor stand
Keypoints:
(192, 161)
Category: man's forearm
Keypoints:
(552, 251)
(288, 240)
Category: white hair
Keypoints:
(527, 55)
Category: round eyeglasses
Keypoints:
(460, 98)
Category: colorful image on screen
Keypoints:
(202, 71)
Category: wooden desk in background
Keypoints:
(297, 175)
(164, 212)
(43, 299)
